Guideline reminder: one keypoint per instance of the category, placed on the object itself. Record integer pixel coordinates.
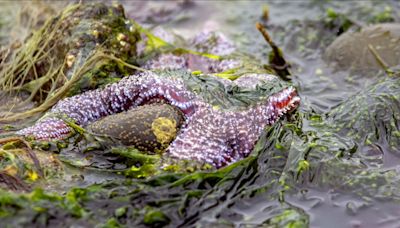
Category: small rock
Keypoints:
(149, 128)
(350, 50)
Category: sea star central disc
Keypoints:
(218, 137)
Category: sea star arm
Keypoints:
(128, 93)
(204, 139)
(220, 138)
(212, 136)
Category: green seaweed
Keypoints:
(338, 150)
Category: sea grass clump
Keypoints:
(74, 51)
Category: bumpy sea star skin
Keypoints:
(48, 128)
(222, 137)
(213, 42)
(210, 42)
(130, 92)
(191, 62)
(251, 81)
(214, 136)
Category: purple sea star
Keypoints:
(213, 42)
(209, 42)
(218, 137)
(191, 62)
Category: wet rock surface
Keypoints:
(353, 49)
(149, 128)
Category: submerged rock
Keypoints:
(372, 115)
(351, 49)
(149, 128)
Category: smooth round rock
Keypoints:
(149, 128)
(350, 50)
